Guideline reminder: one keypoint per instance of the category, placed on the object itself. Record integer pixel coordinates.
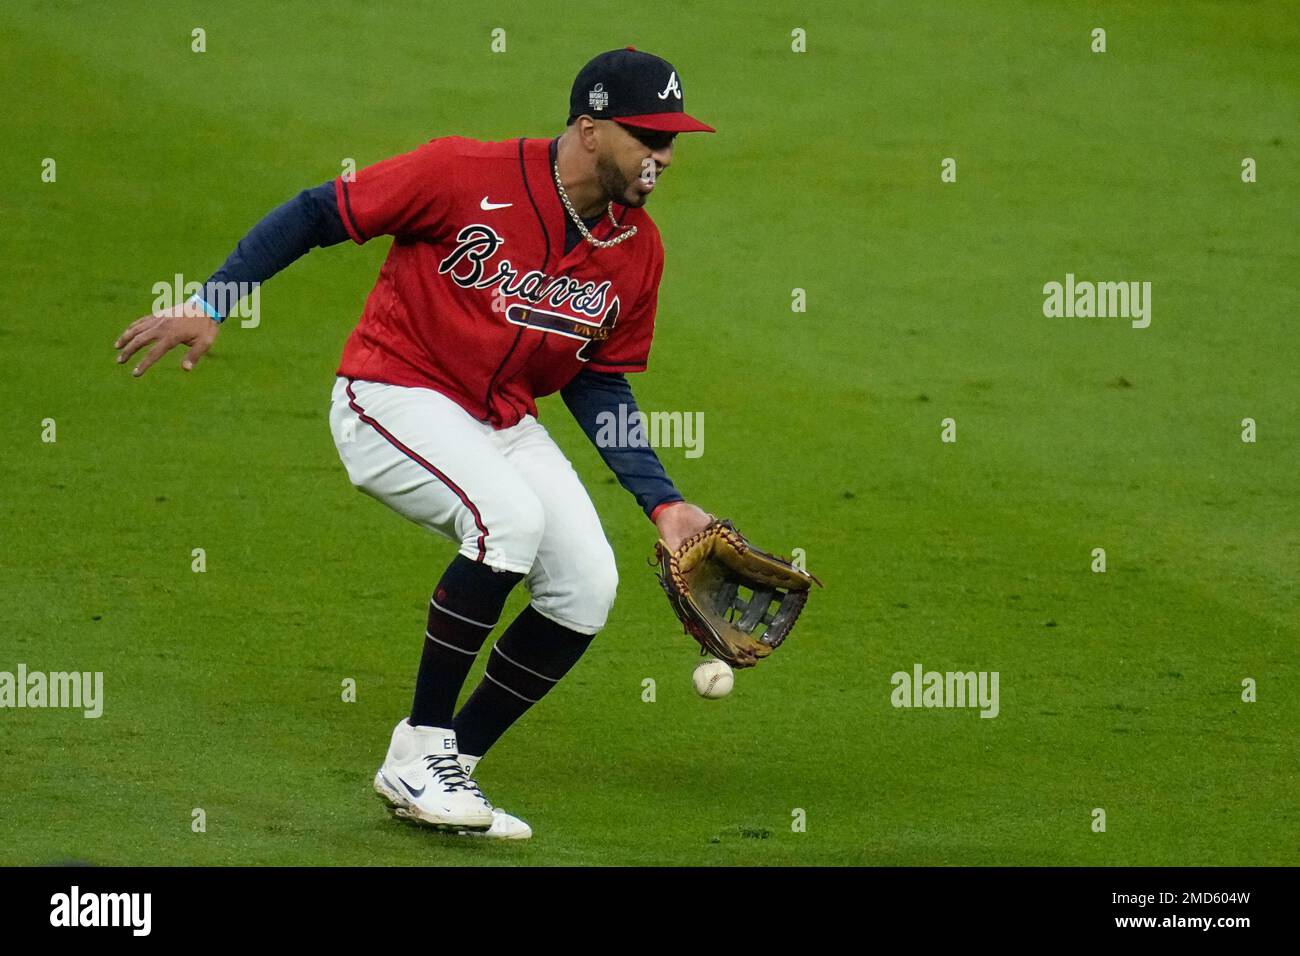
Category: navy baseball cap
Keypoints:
(635, 89)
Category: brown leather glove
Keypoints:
(704, 579)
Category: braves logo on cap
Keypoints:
(629, 87)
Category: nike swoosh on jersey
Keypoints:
(489, 206)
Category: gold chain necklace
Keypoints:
(582, 226)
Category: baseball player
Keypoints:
(517, 269)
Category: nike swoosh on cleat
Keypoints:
(410, 789)
(489, 206)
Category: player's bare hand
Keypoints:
(183, 325)
(679, 521)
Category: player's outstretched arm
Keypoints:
(183, 325)
(308, 221)
(592, 395)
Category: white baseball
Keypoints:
(713, 679)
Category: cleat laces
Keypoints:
(447, 769)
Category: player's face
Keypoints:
(630, 162)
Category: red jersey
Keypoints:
(477, 298)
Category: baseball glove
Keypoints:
(703, 579)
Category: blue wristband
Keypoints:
(213, 314)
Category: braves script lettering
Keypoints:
(468, 266)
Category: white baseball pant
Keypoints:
(510, 497)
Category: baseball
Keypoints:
(713, 679)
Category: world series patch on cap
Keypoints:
(635, 89)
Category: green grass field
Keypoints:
(1120, 691)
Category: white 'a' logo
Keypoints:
(673, 87)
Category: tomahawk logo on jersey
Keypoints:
(477, 298)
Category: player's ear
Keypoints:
(589, 132)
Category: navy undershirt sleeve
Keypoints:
(636, 466)
(308, 221)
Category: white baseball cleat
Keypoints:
(504, 826)
(422, 780)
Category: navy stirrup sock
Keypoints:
(464, 609)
